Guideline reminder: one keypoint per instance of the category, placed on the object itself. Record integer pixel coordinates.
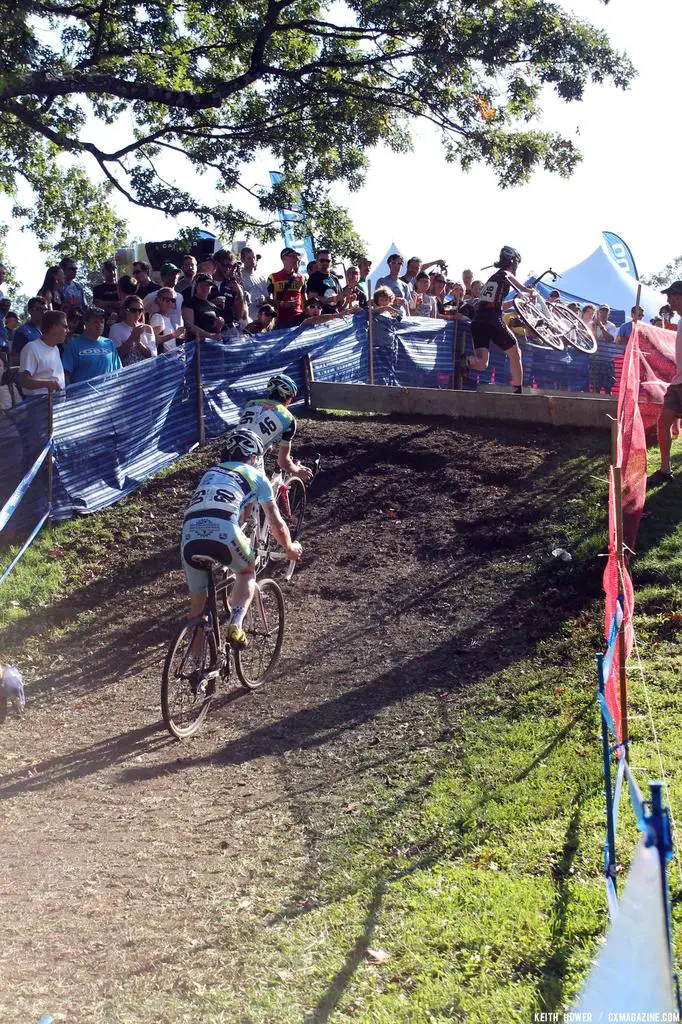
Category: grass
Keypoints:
(461, 880)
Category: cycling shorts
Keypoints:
(485, 331)
(223, 541)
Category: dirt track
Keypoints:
(122, 852)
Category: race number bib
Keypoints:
(489, 292)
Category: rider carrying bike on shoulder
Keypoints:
(211, 527)
(488, 325)
(269, 418)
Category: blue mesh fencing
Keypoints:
(112, 433)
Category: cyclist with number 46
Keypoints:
(212, 527)
(488, 325)
(271, 420)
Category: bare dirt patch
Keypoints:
(133, 866)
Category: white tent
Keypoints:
(600, 279)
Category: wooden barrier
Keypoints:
(559, 409)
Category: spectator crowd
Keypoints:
(66, 338)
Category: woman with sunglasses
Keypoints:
(166, 336)
(133, 338)
(200, 315)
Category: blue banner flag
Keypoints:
(294, 226)
(620, 253)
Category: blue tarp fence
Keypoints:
(112, 433)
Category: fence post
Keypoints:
(606, 754)
(50, 457)
(308, 378)
(200, 392)
(370, 342)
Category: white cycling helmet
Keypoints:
(281, 386)
(241, 444)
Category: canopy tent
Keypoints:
(599, 279)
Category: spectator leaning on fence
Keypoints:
(72, 293)
(134, 339)
(32, 329)
(265, 320)
(90, 354)
(672, 402)
(201, 316)
(169, 277)
(163, 322)
(422, 303)
(625, 330)
(40, 366)
(352, 298)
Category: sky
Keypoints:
(627, 182)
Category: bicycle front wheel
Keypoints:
(264, 628)
(291, 503)
(576, 332)
(186, 689)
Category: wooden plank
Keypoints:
(554, 410)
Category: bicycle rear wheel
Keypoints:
(184, 697)
(538, 323)
(264, 627)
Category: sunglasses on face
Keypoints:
(135, 309)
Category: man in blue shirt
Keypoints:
(31, 329)
(624, 332)
(400, 289)
(89, 354)
(72, 292)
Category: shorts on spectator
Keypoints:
(224, 542)
(483, 332)
(673, 399)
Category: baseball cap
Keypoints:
(170, 268)
(288, 252)
(673, 289)
(201, 278)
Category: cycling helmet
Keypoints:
(281, 386)
(508, 254)
(241, 444)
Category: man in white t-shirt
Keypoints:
(672, 403)
(40, 366)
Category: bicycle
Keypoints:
(556, 325)
(291, 499)
(192, 666)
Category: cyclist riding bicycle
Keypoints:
(211, 527)
(488, 325)
(271, 420)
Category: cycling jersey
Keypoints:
(226, 489)
(211, 525)
(271, 420)
(493, 294)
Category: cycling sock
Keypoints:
(237, 616)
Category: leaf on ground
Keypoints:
(377, 956)
(351, 808)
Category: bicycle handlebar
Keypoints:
(536, 280)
